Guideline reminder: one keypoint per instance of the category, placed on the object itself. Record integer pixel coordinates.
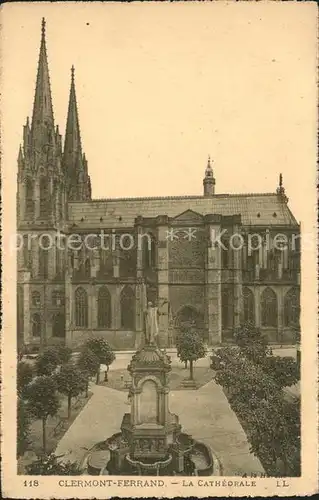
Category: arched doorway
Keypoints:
(58, 325)
(189, 317)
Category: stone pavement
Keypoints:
(204, 413)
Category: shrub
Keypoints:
(24, 376)
(49, 465)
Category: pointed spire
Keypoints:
(281, 189)
(20, 156)
(209, 170)
(72, 157)
(42, 109)
(209, 180)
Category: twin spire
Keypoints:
(45, 139)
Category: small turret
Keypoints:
(209, 180)
(281, 189)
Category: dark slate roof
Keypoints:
(265, 209)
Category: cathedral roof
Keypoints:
(265, 209)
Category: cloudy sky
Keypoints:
(161, 86)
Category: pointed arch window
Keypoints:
(44, 197)
(106, 262)
(36, 325)
(249, 305)
(292, 307)
(36, 299)
(58, 325)
(44, 245)
(269, 308)
(104, 308)
(29, 206)
(81, 308)
(127, 309)
(149, 251)
(227, 308)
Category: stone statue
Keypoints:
(151, 324)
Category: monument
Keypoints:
(151, 441)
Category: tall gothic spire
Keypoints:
(74, 162)
(42, 128)
(72, 146)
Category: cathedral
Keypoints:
(89, 267)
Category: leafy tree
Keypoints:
(254, 391)
(252, 343)
(23, 427)
(43, 401)
(190, 347)
(24, 376)
(64, 354)
(49, 465)
(104, 353)
(71, 382)
(285, 371)
(47, 361)
(89, 364)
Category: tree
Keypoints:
(104, 353)
(47, 361)
(254, 391)
(64, 354)
(43, 401)
(89, 364)
(49, 465)
(190, 347)
(285, 371)
(252, 343)
(23, 427)
(24, 376)
(71, 382)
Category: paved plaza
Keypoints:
(204, 413)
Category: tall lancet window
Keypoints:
(104, 308)
(249, 305)
(269, 308)
(292, 307)
(44, 245)
(28, 198)
(44, 197)
(127, 309)
(81, 308)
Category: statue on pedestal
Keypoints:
(151, 323)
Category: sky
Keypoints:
(160, 86)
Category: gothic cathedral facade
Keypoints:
(88, 267)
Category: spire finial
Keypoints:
(43, 27)
(281, 189)
(208, 161)
(72, 73)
